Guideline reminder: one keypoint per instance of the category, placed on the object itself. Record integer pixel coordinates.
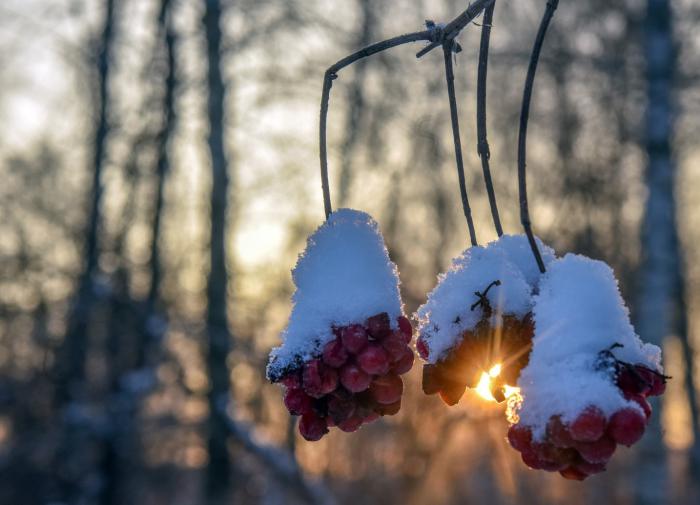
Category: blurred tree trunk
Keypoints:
(219, 339)
(74, 348)
(356, 103)
(131, 363)
(153, 324)
(75, 473)
(661, 264)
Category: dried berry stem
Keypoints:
(436, 36)
(482, 142)
(522, 136)
(448, 49)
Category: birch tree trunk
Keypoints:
(661, 261)
(219, 338)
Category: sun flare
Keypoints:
(483, 389)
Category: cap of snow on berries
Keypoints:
(517, 250)
(343, 277)
(584, 388)
(452, 307)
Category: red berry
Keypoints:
(297, 402)
(318, 379)
(589, 425)
(573, 473)
(379, 325)
(589, 468)
(353, 378)
(350, 425)
(372, 416)
(658, 386)
(551, 458)
(643, 403)
(422, 348)
(312, 427)
(405, 363)
(406, 329)
(292, 380)
(520, 437)
(373, 359)
(558, 433)
(432, 379)
(388, 410)
(341, 406)
(626, 426)
(530, 459)
(335, 354)
(387, 389)
(354, 338)
(599, 451)
(395, 345)
(631, 381)
(452, 392)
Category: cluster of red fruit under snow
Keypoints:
(476, 352)
(583, 447)
(354, 381)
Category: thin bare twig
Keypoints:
(482, 142)
(436, 36)
(331, 74)
(522, 136)
(448, 49)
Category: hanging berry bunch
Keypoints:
(585, 388)
(479, 316)
(347, 341)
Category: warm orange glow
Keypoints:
(483, 389)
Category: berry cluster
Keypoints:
(502, 339)
(354, 381)
(583, 447)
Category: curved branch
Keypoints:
(482, 142)
(448, 49)
(522, 135)
(435, 35)
(330, 75)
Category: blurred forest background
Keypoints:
(159, 175)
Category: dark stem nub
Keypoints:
(483, 301)
(522, 135)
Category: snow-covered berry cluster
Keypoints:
(584, 390)
(479, 315)
(347, 340)
(356, 379)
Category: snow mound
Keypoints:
(447, 312)
(578, 314)
(344, 276)
(517, 250)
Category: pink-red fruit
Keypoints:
(589, 425)
(354, 338)
(312, 427)
(373, 359)
(354, 379)
(627, 426)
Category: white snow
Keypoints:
(578, 313)
(447, 312)
(518, 251)
(344, 276)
